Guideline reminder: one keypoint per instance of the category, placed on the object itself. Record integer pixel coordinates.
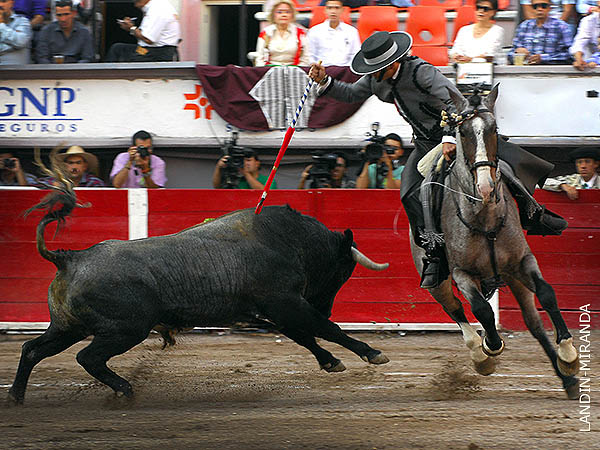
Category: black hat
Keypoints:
(380, 50)
(585, 152)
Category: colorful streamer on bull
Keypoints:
(286, 140)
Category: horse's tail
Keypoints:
(62, 194)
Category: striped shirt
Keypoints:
(552, 40)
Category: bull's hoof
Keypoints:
(572, 389)
(14, 399)
(376, 357)
(334, 367)
(566, 368)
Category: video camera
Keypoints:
(9, 163)
(320, 173)
(143, 151)
(230, 174)
(374, 151)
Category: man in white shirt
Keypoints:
(157, 35)
(333, 41)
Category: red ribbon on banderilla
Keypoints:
(286, 140)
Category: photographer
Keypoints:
(11, 173)
(138, 167)
(382, 163)
(327, 171)
(239, 169)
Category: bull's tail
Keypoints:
(57, 205)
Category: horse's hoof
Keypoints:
(573, 390)
(376, 358)
(488, 351)
(568, 369)
(485, 367)
(334, 367)
(14, 399)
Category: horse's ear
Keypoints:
(490, 100)
(459, 101)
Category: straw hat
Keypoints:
(91, 160)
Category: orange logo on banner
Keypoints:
(201, 103)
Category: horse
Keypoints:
(486, 247)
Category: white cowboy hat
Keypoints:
(90, 159)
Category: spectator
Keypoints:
(336, 178)
(543, 40)
(15, 35)
(384, 174)
(586, 45)
(283, 42)
(559, 9)
(587, 161)
(585, 7)
(333, 41)
(483, 39)
(11, 173)
(65, 40)
(246, 177)
(158, 35)
(34, 10)
(138, 167)
(81, 167)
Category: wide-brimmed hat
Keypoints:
(91, 160)
(380, 50)
(585, 152)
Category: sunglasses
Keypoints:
(483, 8)
(541, 5)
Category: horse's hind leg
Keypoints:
(104, 346)
(52, 342)
(444, 295)
(568, 359)
(493, 344)
(534, 323)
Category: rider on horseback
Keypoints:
(420, 93)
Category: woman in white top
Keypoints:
(284, 42)
(483, 39)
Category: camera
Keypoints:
(9, 163)
(230, 174)
(143, 151)
(374, 150)
(320, 172)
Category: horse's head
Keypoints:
(478, 139)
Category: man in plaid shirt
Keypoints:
(587, 161)
(543, 40)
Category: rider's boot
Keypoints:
(535, 218)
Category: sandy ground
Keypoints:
(262, 391)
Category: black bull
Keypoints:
(279, 266)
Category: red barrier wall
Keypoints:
(569, 262)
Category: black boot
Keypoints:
(546, 223)
(430, 278)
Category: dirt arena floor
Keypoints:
(262, 391)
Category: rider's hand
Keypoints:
(448, 150)
(570, 190)
(317, 72)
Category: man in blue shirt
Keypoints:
(66, 38)
(15, 35)
(543, 40)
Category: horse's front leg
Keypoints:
(531, 276)
(444, 294)
(492, 343)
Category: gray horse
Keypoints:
(485, 246)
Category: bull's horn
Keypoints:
(366, 262)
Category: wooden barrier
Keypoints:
(390, 299)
